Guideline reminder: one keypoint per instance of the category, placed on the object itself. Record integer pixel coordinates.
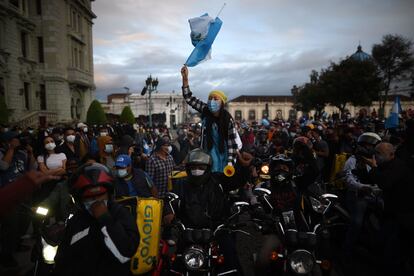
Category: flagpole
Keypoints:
(221, 9)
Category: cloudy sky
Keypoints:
(264, 47)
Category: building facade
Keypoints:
(254, 108)
(46, 60)
(171, 104)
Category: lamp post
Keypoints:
(150, 86)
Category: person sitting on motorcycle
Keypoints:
(306, 169)
(358, 182)
(203, 204)
(102, 236)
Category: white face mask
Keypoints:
(104, 133)
(122, 173)
(169, 149)
(85, 129)
(50, 146)
(197, 172)
(109, 148)
(70, 138)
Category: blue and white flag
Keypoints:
(204, 30)
(393, 121)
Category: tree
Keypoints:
(351, 81)
(127, 116)
(4, 111)
(95, 114)
(310, 96)
(394, 58)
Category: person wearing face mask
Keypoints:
(202, 205)
(132, 181)
(68, 147)
(51, 162)
(219, 133)
(160, 165)
(106, 151)
(396, 180)
(82, 143)
(102, 236)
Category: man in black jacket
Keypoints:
(396, 180)
(102, 236)
(203, 204)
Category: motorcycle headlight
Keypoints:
(317, 206)
(264, 169)
(301, 262)
(42, 211)
(194, 258)
(49, 252)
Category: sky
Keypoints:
(263, 48)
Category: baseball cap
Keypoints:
(123, 161)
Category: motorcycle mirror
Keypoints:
(329, 196)
(172, 196)
(262, 191)
(240, 203)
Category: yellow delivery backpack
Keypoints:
(337, 168)
(148, 214)
(175, 180)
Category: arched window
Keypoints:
(72, 109)
(78, 108)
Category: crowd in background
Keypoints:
(142, 158)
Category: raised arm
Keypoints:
(192, 101)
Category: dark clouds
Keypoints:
(264, 47)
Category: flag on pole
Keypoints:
(393, 121)
(204, 30)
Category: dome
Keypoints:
(360, 55)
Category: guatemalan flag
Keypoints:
(204, 30)
(393, 121)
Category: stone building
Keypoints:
(46, 61)
(171, 104)
(254, 108)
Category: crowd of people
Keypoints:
(46, 165)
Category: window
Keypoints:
(265, 113)
(238, 115)
(42, 97)
(14, 3)
(23, 43)
(39, 7)
(79, 24)
(72, 109)
(292, 114)
(24, 7)
(2, 88)
(26, 91)
(252, 115)
(40, 49)
(73, 20)
(81, 64)
(78, 108)
(279, 114)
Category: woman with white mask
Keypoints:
(50, 162)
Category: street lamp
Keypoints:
(150, 86)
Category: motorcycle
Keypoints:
(197, 251)
(303, 238)
(47, 241)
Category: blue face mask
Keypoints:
(214, 105)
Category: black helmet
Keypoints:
(370, 138)
(276, 173)
(198, 166)
(198, 157)
(91, 180)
